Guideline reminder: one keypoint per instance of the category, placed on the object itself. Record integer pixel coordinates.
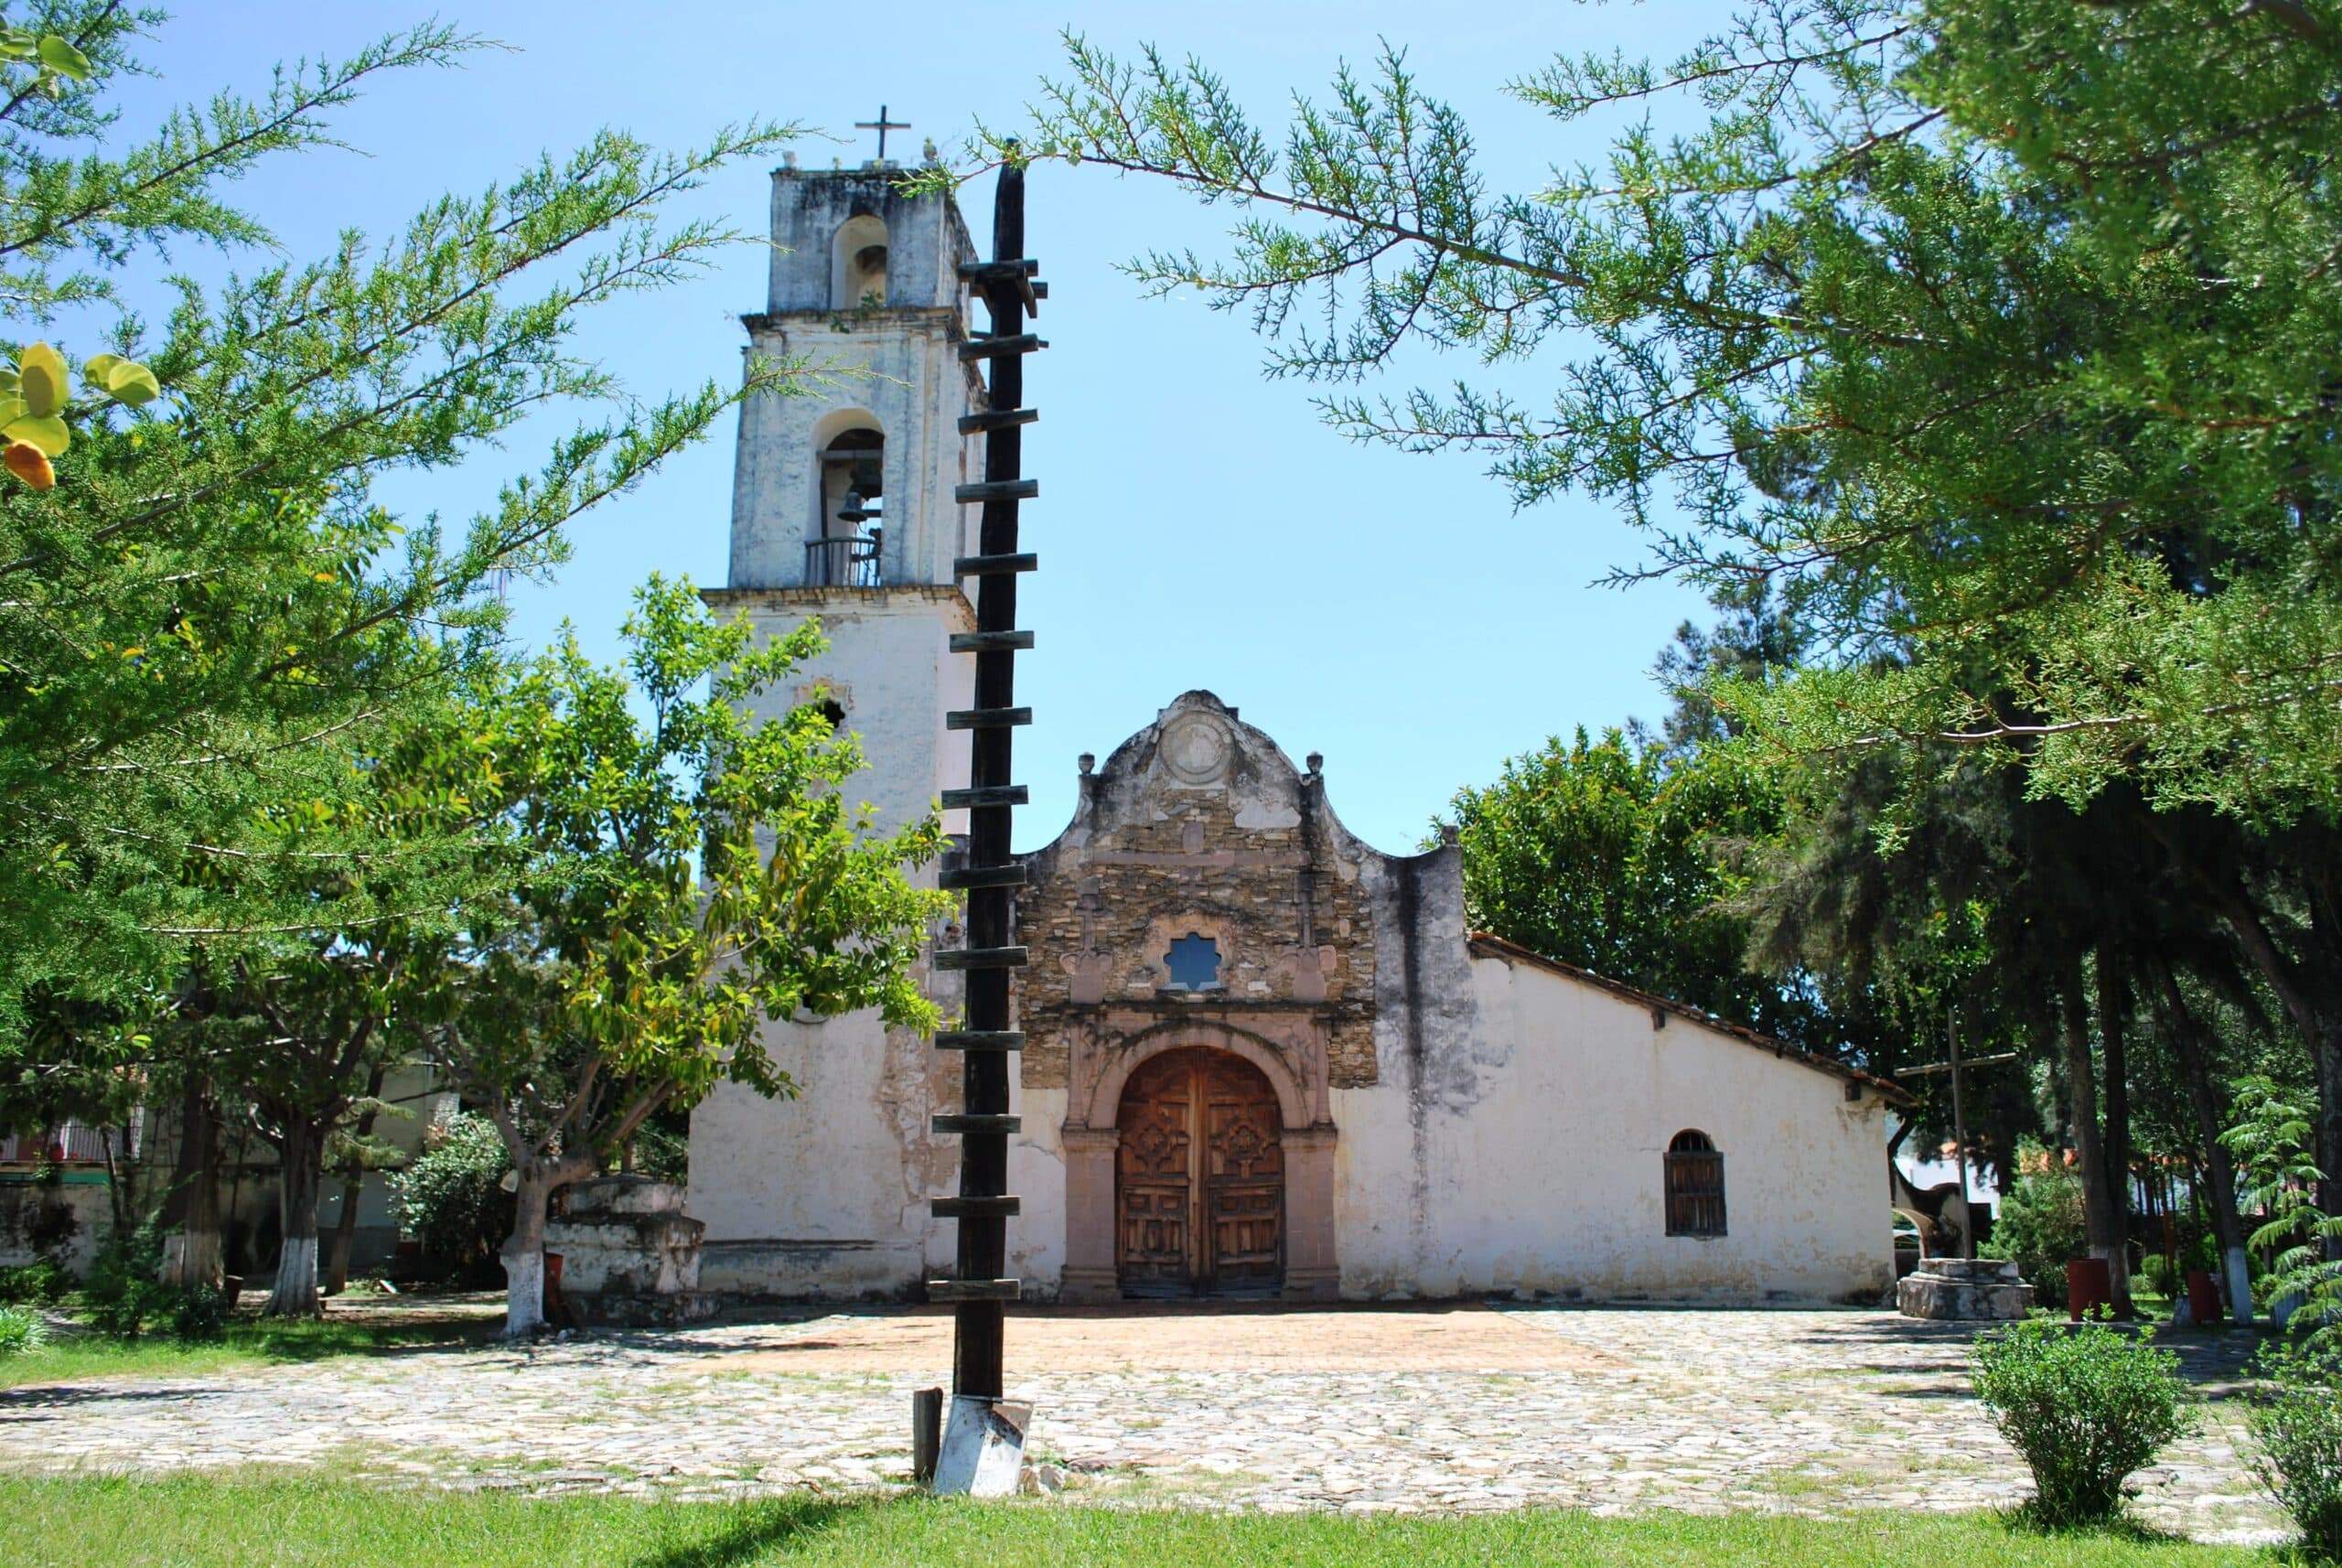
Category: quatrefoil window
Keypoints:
(1194, 962)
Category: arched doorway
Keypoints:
(1200, 1178)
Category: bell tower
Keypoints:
(844, 510)
(842, 503)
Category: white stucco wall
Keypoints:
(1545, 1175)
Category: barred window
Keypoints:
(1694, 1186)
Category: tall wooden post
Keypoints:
(981, 1287)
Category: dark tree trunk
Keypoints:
(295, 1294)
(2320, 1026)
(353, 1186)
(192, 1254)
(2089, 1151)
(2113, 1004)
(2208, 1105)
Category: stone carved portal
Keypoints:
(1200, 1179)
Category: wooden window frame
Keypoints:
(1693, 1193)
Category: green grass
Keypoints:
(274, 1522)
(248, 1342)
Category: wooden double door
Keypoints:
(1200, 1179)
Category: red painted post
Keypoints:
(2090, 1284)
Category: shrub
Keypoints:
(42, 1283)
(451, 1199)
(2085, 1406)
(21, 1330)
(2297, 1444)
(2040, 1224)
(124, 1297)
(199, 1312)
(2156, 1274)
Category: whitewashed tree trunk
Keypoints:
(295, 1294)
(524, 1253)
(2239, 1271)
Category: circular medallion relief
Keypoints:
(1196, 748)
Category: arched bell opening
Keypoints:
(858, 265)
(845, 547)
(1199, 1197)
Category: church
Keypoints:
(1263, 1058)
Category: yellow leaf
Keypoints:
(44, 431)
(133, 383)
(42, 373)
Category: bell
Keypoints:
(856, 510)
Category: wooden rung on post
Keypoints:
(962, 1121)
(999, 348)
(994, 272)
(960, 878)
(996, 419)
(988, 795)
(980, 1039)
(996, 490)
(1002, 1208)
(983, 958)
(973, 1290)
(1014, 274)
(990, 642)
(986, 718)
(994, 566)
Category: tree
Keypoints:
(689, 873)
(204, 622)
(1609, 856)
(301, 1040)
(1993, 330)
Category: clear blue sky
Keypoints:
(1197, 526)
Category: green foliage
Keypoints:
(2278, 1176)
(2296, 1431)
(1993, 330)
(450, 1197)
(199, 1314)
(125, 1299)
(42, 1283)
(21, 1330)
(209, 634)
(1609, 856)
(690, 872)
(2040, 1224)
(2084, 1405)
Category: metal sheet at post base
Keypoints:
(982, 1453)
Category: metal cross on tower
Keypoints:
(882, 125)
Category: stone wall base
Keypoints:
(1963, 1290)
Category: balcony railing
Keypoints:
(68, 1142)
(850, 563)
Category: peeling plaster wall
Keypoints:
(824, 1197)
(1525, 1156)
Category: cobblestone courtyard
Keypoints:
(1417, 1409)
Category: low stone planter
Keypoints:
(1963, 1290)
(629, 1254)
